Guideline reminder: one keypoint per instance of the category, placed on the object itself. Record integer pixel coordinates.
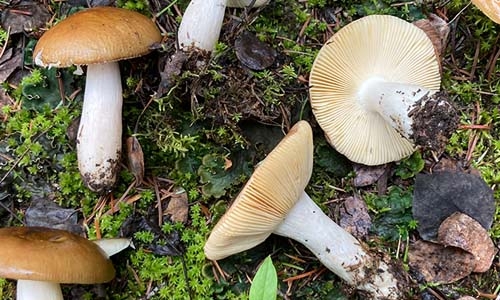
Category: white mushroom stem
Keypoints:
(201, 24)
(38, 290)
(99, 139)
(393, 101)
(338, 250)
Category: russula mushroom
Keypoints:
(42, 258)
(202, 22)
(491, 8)
(372, 83)
(273, 201)
(98, 37)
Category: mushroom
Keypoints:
(273, 201)
(491, 8)
(372, 84)
(98, 37)
(202, 22)
(42, 258)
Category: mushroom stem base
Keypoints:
(338, 250)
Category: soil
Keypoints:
(435, 119)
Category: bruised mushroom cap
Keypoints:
(44, 254)
(374, 46)
(491, 8)
(96, 35)
(263, 203)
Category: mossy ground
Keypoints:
(207, 130)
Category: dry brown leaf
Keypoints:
(367, 175)
(437, 30)
(440, 264)
(135, 158)
(354, 217)
(178, 207)
(461, 231)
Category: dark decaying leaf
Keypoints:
(162, 244)
(439, 264)
(367, 175)
(253, 53)
(436, 196)
(27, 16)
(9, 62)
(135, 158)
(45, 213)
(178, 207)
(461, 231)
(354, 217)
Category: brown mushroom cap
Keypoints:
(265, 200)
(96, 35)
(45, 254)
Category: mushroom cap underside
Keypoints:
(263, 203)
(45, 254)
(490, 8)
(376, 46)
(96, 35)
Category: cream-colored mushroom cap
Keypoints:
(96, 35)
(374, 46)
(269, 194)
(44, 254)
(490, 8)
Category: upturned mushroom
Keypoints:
(491, 8)
(42, 258)
(374, 91)
(202, 22)
(273, 201)
(98, 37)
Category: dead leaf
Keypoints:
(437, 30)
(436, 196)
(45, 213)
(27, 16)
(440, 264)
(367, 175)
(354, 217)
(461, 231)
(9, 62)
(135, 158)
(177, 208)
(252, 52)
(227, 164)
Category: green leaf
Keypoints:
(265, 282)
(217, 177)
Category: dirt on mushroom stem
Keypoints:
(435, 119)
